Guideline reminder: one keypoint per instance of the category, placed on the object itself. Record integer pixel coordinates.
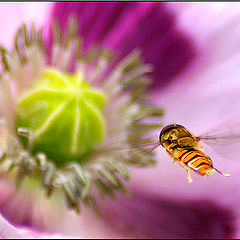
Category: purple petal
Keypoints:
(125, 26)
(143, 216)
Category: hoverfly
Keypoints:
(185, 149)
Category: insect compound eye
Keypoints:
(172, 129)
(163, 136)
(165, 130)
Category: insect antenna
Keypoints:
(150, 144)
(153, 146)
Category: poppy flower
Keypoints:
(75, 115)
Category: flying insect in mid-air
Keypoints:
(186, 150)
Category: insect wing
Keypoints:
(222, 134)
(224, 139)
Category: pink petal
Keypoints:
(8, 231)
(12, 15)
(205, 96)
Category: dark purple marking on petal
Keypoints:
(125, 26)
(145, 217)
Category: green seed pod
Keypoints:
(64, 116)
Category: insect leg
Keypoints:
(187, 170)
(26, 133)
(170, 154)
(224, 174)
(189, 176)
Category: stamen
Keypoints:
(130, 121)
(4, 61)
(19, 45)
(26, 133)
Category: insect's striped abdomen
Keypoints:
(196, 160)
